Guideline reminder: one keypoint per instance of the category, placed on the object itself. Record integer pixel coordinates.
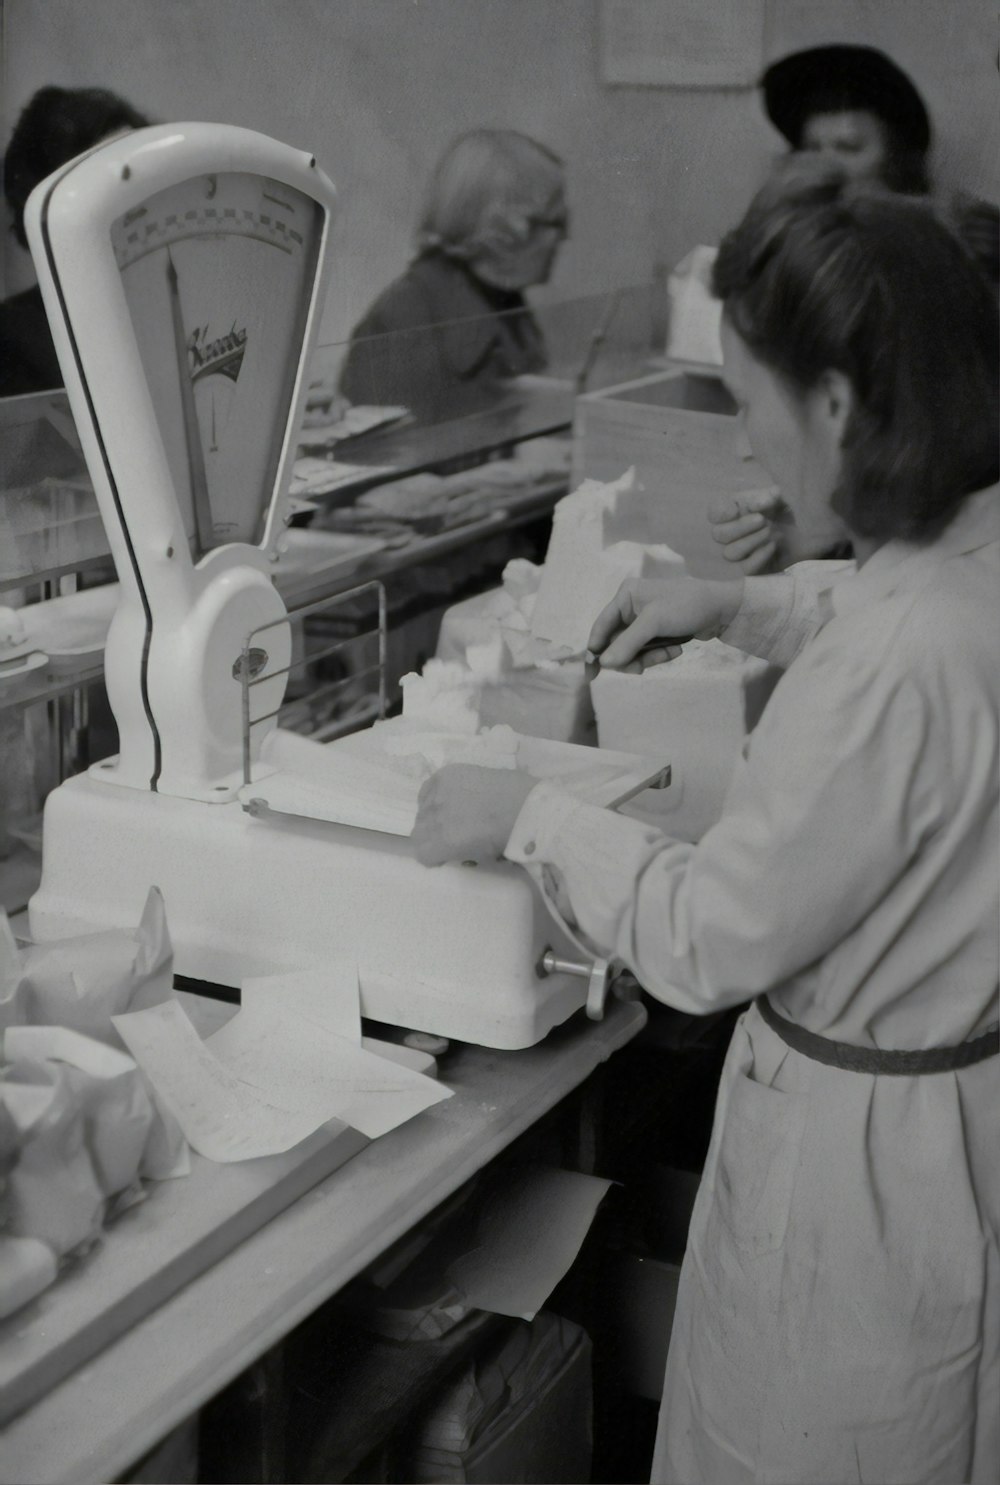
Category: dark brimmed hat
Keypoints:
(827, 79)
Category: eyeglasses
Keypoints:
(556, 222)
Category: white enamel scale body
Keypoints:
(184, 270)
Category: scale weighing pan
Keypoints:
(184, 270)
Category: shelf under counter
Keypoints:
(185, 1351)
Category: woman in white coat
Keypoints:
(838, 1312)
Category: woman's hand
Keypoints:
(644, 611)
(466, 813)
(752, 530)
(757, 530)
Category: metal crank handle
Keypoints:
(595, 972)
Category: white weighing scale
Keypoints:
(184, 271)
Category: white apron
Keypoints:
(837, 1318)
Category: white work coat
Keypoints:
(837, 1317)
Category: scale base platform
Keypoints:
(453, 950)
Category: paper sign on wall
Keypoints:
(682, 43)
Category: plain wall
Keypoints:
(377, 88)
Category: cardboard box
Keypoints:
(542, 1433)
(680, 431)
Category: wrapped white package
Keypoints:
(445, 695)
(27, 1266)
(505, 682)
(81, 982)
(64, 993)
(695, 313)
(494, 747)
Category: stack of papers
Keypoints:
(312, 476)
(289, 1062)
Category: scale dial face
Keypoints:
(218, 273)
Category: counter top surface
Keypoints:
(104, 1417)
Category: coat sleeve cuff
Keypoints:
(542, 816)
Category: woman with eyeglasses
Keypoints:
(455, 327)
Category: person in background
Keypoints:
(492, 223)
(838, 1316)
(55, 125)
(853, 105)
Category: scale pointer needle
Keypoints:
(192, 429)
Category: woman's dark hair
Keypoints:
(823, 275)
(54, 126)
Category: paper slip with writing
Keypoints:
(273, 1074)
(223, 1118)
(310, 1068)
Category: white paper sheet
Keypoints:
(306, 1067)
(530, 1233)
(333, 783)
(328, 996)
(269, 1078)
(682, 43)
(223, 1118)
(313, 481)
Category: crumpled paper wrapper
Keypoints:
(82, 982)
(80, 1127)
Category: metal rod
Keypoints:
(310, 659)
(294, 615)
(325, 689)
(245, 700)
(552, 964)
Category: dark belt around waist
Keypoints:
(873, 1059)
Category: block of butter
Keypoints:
(584, 566)
(696, 711)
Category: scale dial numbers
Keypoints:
(218, 273)
(267, 216)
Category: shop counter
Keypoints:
(103, 1418)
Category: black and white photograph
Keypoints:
(500, 742)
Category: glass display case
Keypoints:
(49, 523)
(433, 507)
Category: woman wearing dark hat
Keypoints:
(852, 105)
